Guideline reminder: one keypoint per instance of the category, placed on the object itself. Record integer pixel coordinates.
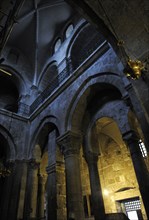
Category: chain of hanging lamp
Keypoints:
(133, 68)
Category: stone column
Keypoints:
(51, 191)
(139, 166)
(15, 190)
(6, 197)
(51, 206)
(22, 191)
(31, 191)
(34, 194)
(41, 196)
(96, 191)
(70, 144)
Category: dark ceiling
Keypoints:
(38, 24)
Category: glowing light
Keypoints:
(105, 192)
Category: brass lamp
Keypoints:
(136, 66)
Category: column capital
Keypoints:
(70, 142)
(130, 137)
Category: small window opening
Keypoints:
(132, 208)
(142, 148)
(69, 30)
(57, 45)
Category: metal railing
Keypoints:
(67, 71)
(53, 84)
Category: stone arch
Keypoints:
(78, 104)
(12, 88)
(116, 111)
(49, 75)
(84, 45)
(11, 153)
(47, 156)
(45, 126)
(17, 78)
(81, 25)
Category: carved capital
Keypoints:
(70, 143)
(130, 137)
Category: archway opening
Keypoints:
(9, 94)
(116, 172)
(50, 191)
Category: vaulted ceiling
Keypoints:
(39, 23)
(36, 28)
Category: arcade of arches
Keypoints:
(74, 130)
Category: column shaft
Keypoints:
(31, 191)
(73, 187)
(70, 144)
(140, 168)
(51, 208)
(96, 191)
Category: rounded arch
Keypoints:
(16, 77)
(46, 125)
(114, 117)
(77, 30)
(11, 152)
(100, 130)
(50, 73)
(9, 94)
(79, 102)
(12, 88)
(85, 44)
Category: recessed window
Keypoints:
(69, 30)
(142, 148)
(132, 208)
(57, 45)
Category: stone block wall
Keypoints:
(117, 178)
